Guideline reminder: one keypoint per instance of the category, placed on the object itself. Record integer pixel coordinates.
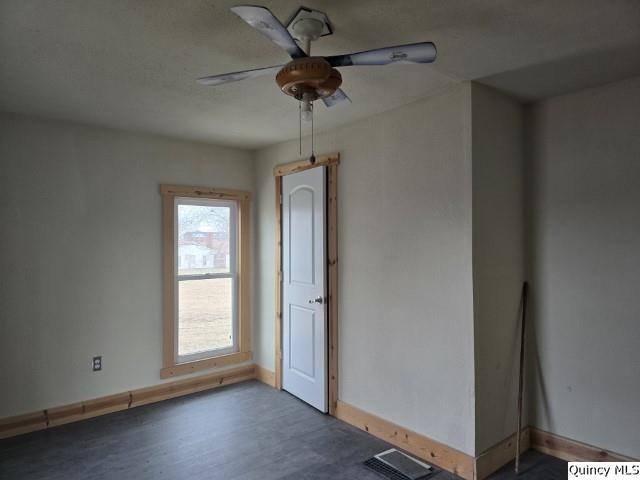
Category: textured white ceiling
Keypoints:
(132, 63)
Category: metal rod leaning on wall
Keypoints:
(525, 290)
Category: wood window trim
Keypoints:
(169, 192)
(330, 161)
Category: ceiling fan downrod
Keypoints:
(306, 31)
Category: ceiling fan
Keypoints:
(305, 77)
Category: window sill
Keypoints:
(197, 365)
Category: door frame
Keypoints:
(331, 161)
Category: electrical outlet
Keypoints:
(97, 364)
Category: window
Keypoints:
(207, 295)
(206, 283)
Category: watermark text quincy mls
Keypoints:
(603, 470)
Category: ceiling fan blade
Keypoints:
(338, 98)
(235, 76)
(424, 52)
(266, 23)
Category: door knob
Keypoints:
(318, 299)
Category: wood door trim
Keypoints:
(278, 288)
(332, 284)
(331, 161)
(305, 164)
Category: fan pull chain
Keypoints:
(313, 156)
(300, 126)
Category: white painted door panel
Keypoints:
(304, 332)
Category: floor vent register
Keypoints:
(396, 465)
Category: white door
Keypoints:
(304, 332)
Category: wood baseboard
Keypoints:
(500, 454)
(198, 365)
(572, 450)
(87, 409)
(266, 376)
(429, 450)
(20, 424)
(40, 420)
(545, 442)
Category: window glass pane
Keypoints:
(204, 239)
(205, 315)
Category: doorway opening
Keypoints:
(330, 163)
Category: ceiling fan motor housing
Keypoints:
(312, 76)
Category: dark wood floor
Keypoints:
(243, 431)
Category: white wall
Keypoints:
(498, 259)
(406, 310)
(431, 261)
(80, 254)
(585, 261)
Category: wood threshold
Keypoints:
(41, 420)
(423, 447)
(197, 365)
(305, 164)
(500, 454)
(572, 450)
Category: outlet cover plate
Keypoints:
(97, 364)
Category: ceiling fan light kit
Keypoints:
(308, 78)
